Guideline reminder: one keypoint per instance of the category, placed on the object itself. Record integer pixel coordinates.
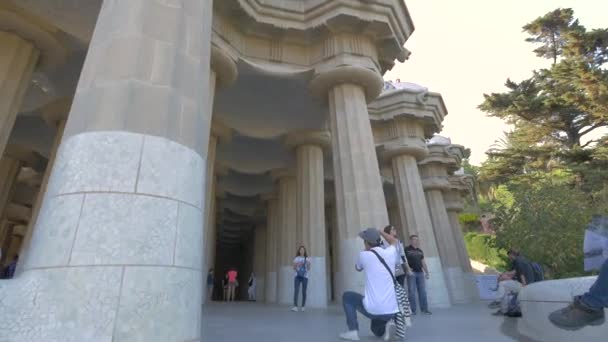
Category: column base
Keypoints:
(271, 287)
(471, 290)
(436, 288)
(317, 283)
(134, 304)
(456, 285)
(350, 279)
(260, 290)
(285, 285)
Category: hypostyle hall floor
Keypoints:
(232, 322)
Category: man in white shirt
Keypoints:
(380, 301)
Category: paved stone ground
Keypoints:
(257, 322)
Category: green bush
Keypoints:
(482, 248)
(469, 221)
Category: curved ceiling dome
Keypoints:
(267, 103)
(253, 156)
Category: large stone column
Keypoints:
(434, 170)
(311, 208)
(223, 134)
(272, 247)
(55, 115)
(259, 261)
(454, 205)
(9, 170)
(118, 246)
(359, 197)
(403, 152)
(23, 47)
(286, 228)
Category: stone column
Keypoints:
(403, 152)
(359, 197)
(23, 47)
(55, 115)
(454, 205)
(9, 170)
(118, 246)
(219, 133)
(310, 217)
(286, 228)
(272, 247)
(434, 173)
(259, 261)
(18, 58)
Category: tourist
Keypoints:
(523, 274)
(210, 284)
(380, 301)
(587, 309)
(232, 283)
(402, 269)
(301, 266)
(252, 285)
(10, 270)
(416, 279)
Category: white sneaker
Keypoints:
(389, 333)
(294, 309)
(352, 335)
(302, 309)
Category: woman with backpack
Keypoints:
(301, 265)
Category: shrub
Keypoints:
(482, 248)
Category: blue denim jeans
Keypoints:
(415, 283)
(597, 297)
(353, 302)
(296, 284)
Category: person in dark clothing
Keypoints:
(522, 275)
(416, 279)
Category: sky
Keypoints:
(463, 49)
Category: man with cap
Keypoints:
(380, 301)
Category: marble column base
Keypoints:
(350, 279)
(456, 284)
(117, 249)
(436, 289)
(316, 294)
(271, 287)
(285, 285)
(260, 290)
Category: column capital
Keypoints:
(369, 79)
(319, 138)
(56, 111)
(435, 183)
(15, 21)
(411, 146)
(278, 174)
(224, 66)
(453, 200)
(222, 132)
(269, 196)
(444, 156)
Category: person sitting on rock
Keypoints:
(587, 309)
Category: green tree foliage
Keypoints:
(558, 106)
(546, 177)
(546, 222)
(483, 248)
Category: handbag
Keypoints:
(403, 317)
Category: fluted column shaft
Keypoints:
(311, 219)
(447, 248)
(259, 261)
(271, 251)
(18, 59)
(9, 170)
(287, 244)
(45, 179)
(208, 234)
(360, 199)
(415, 216)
